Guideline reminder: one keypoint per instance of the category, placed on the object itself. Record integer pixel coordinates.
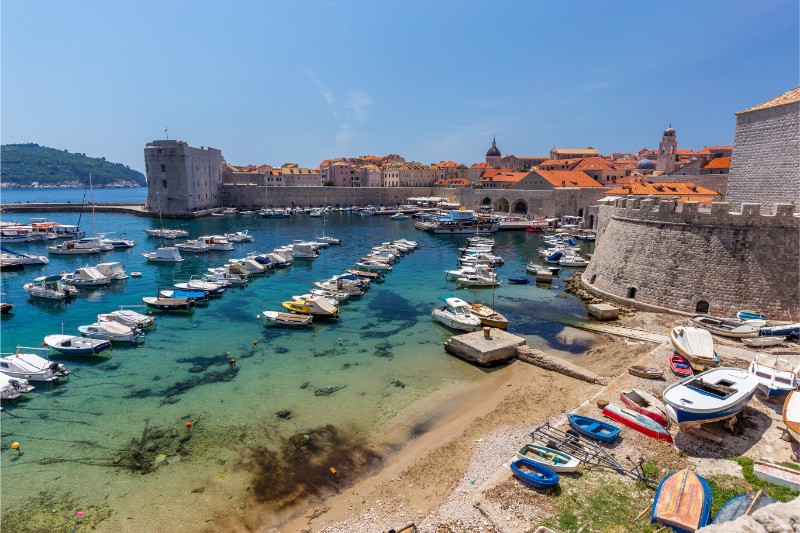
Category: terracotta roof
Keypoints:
(452, 181)
(625, 180)
(481, 165)
(789, 97)
(569, 178)
(588, 150)
(717, 148)
(560, 162)
(593, 163)
(720, 162)
(666, 188)
(507, 176)
(495, 171)
(446, 164)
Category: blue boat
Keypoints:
(519, 281)
(713, 395)
(682, 502)
(750, 315)
(554, 257)
(593, 428)
(744, 504)
(197, 296)
(534, 474)
(781, 330)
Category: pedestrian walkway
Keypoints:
(620, 331)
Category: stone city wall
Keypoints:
(656, 254)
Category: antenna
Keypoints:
(166, 130)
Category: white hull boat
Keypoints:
(287, 319)
(216, 243)
(456, 314)
(166, 254)
(696, 345)
(791, 414)
(114, 271)
(74, 345)
(86, 277)
(32, 367)
(194, 246)
(763, 342)
(12, 388)
(474, 280)
(373, 265)
(775, 377)
(25, 259)
(726, 327)
(50, 287)
(713, 395)
(68, 248)
(111, 331)
(129, 318)
(239, 236)
(167, 233)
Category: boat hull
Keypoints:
(534, 474)
(555, 460)
(682, 502)
(592, 428)
(637, 422)
(687, 402)
(740, 505)
(791, 414)
(68, 344)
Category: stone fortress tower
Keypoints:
(493, 156)
(181, 178)
(662, 255)
(667, 151)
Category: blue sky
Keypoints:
(273, 82)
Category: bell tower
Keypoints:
(493, 156)
(667, 151)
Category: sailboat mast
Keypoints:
(91, 199)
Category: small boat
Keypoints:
(573, 261)
(50, 287)
(211, 288)
(534, 474)
(696, 345)
(286, 319)
(365, 274)
(680, 366)
(750, 315)
(791, 414)
(329, 239)
(166, 254)
(169, 304)
(112, 331)
(788, 330)
(519, 281)
(593, 428)
(777, 475)
(122, 242)
(645, 372)
(713, 395)
(763, 342)
(75, 345)
(216, 243)
(646, 404)
(12, 388)
(726, 327)
(136, 274)
(315, 306)
(239, 236)
(488, 316)
(128, 317)
(742, 505)
(775, 377)
(339, 296)
(637, 421)
(113, 271)
(167, 233)
(555, 460)
(456, 314)
(399, 216)
(24, 258)
(682, 502)
(479, 280)
(86, 277)
(194, 245)
(366, 264)
(69, 248)
(32, 367)
(196, 296)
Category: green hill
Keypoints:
(31, 165)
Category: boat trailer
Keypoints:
(589, 452)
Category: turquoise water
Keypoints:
(101, 195)
(384, 351)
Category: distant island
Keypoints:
(31, 165)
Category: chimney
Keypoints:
(563, 183)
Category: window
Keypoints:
(164, 183)
(591, 281)
(702, 307)
(631, 293)
(163, 167)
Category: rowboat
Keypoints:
(726, 327)
(774, 377)
(74, 345)
(713, 395)
(488, 316)
(786, 330)
(696, 345)
(742, 505)
(169, 304)
(555, 460)
(646, 404)
(519, 281)
(680, 366)
(645, 372)
(791, 414)
(637, 421)
(777, 475)
(287, 319)
(682, 501)
(764, 342)
(534, 474)
(750, 315)
(593, 428)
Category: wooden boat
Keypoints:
(534, 474)
(645, 372)
(646, 404)
(74, 345)
(168, 304)
(593, 428)
(488, 316)
(775, 377)
(713, 395)
(742, 505)
(696, 345)
(682, 501)
(680, 366)
(555, 460)
(764, 342)
(519, 281)
(287, 319)
(791, 414)
(637, 421)
(750, 315)
(365, 274)
(777, 475)
(725, 327)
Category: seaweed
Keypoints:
(305, 385)
(51, 511)
(186, 385)
(383, 349)
(327, 391)
(280, 349)
(399, 384)
(285, 414)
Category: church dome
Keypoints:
(645, 164)
(493, 151)
(669, 131)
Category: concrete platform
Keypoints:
(603, 311)
(501, 346)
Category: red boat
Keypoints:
(680, 366)
(646, 404)
(632, 419)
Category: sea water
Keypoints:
(382, 354)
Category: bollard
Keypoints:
(487, 333)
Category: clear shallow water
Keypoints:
(385, 350)
(75, 196)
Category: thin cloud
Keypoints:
(353, 110)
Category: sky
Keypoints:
(276, 82)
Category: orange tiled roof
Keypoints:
(720, 163)
(625, 180)
(481, 165)
(506, 176)
(718, 148)
(570, 178)
(789, 97)
(560, 162)
(664, 189)
(495, 171)
(593, 163)
(446, 164)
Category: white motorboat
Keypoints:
(315, 213)
(339, 296)
(86, 277)
(239, 236)
(312, 305)
(216, 243)
(696, 345)
(75, 345)
(114, 270)
(475, 280)
(230, 211)
(713, 395)
(457, 315)
(281, 256)
(194, 245)
(573, 261)
(32, 366)
(329, 239)
(117, 242)
(25, 259)
(69, 248)
(411, 244)
(335, 286)
(367, 264)
(111, 331)
(12, 388)
(727, 327)
(93, 242)
(251, 265)
(775, 376)
(399, 216)
(210, 287)
(460, 272)
(167, 233)
(480, 259)
(286, 319)
(129, 318)
(304, 250)
(166, 254)
(221, 275)
(50, 287)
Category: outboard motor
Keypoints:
(14, 383)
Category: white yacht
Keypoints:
(50, 287)
(113, 270)
(31, 366)
(239, 236)
(166, 254)
(216, 243)
(167, 233)
(86, 277)
(129, 318)
(456, 314)
(25, 259)
(69, 248)
(194, 245)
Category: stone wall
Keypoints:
(181, 178)
(659, 254)
(764, 167)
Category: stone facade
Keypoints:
(765, 167)
(660, 255)
(182, 179)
